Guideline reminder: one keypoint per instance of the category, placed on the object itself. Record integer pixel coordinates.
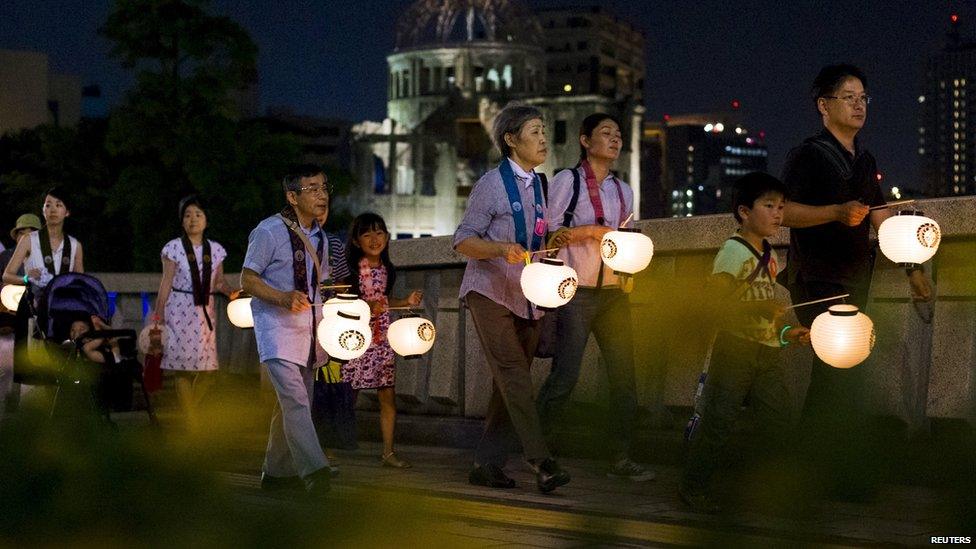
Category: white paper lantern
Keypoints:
(411, 336)
(549, 283)
(10, 296)
(142, 343)
(239, 312)
(842, 337)
(909, 238)
(344, 337)
(626, 251)
(349, 303)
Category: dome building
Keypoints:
(455, 64)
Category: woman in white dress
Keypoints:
(42, 254)
(192, 271)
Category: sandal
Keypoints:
(392, 460)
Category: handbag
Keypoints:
(333, 408)
(547, 335)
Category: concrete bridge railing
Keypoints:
(923, 365)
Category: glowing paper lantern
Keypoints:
(549, 283)
(626, 251)
(842, 337)
(239, 312)
(344, 337)
(349, 303)
(143, 342)
(909, 238)
(411, 336)
(10, 296)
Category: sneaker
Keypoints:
(549, 475)
(698, 500)
(627, 469)
(393, 460)
(491, 476)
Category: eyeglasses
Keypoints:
(851, 100)
(317, 189)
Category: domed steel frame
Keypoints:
(437, 22)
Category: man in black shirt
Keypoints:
(833, 183)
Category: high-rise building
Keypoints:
(947, 114)
(699, 157)
(589, 51)
(31, 95)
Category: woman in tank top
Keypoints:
(48, 252)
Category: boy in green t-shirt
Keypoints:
(745, 354)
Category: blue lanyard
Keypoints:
(515, 201)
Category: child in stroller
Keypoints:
(101, 363)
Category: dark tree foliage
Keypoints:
(180, 129)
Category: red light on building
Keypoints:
(762, 134)
(879, 177)
(954, 17)
(667, 117)
(735, 104)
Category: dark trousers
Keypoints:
(739, 369)
(605, 313)
(508, 342)
(834, 431)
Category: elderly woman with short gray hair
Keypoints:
(506, 219)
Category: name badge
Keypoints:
(540, 227)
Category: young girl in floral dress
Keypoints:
(373, 278)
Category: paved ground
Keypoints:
(596, 510)
(432, 504)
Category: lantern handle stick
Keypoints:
(626, 221)
(335, 286)
(892, 204)
(543, 251)
(805, 303)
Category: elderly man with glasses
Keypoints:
(833, 183)
(285, 264)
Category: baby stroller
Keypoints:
(50, 357)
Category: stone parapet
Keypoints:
(922, 366)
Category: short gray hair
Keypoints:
(510, 120)
(292, 181)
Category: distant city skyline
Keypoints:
(329, 58)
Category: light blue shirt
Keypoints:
(281, 333)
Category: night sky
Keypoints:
(328, 57)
